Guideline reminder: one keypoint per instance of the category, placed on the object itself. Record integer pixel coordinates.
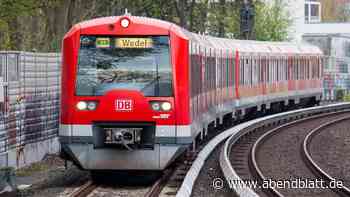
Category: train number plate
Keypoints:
(124, 105)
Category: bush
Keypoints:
(339, 94)
(346, 98)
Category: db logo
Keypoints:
(124, 105)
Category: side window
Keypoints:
(241, 75)
(233, 70)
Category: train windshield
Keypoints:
(129, 63)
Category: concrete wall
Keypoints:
(29, 109)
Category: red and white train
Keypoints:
(137, 92)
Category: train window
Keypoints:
(312, 70)
(293, 65)
(276, 69)
(279, 68)
(135, 63)
(283, 75)
(307, 69)
(241, 79)
(254, 71)
(302, 72)
(257, 73)
(267, 69)
(246, 77)
(263, 69)
(320, 67)
(257, 63)
(205, 71)
(264, 72)
(286, 67)
(217, 69)
(282, 68)
(258, 69)
(273, 70)
(270, 69)
(222, 70)
(316, 66)
(296, 68)
(283, 71)
(245, 68)
(233, 69)
(228, 73)
(250, 68)
(296, 62)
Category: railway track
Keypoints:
(249, 156)
(314, 166)
(285, 163)
(166, 185)
(95, 189)
(84, 190)
(240, 141)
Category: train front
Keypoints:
(118, 106)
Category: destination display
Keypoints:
(143, 43)
(102, 42)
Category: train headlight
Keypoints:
(160, 105)
(86, 105)
(155, 106)
(125, 22)
(166, 106)
(82, 105)
(91, 105)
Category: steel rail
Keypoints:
(253, 153)
(157, 187)
(154, 190)
(84, 190)
(313, 165)
(240, 130)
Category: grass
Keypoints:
(33, 168)
(347, 98)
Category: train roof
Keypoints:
(101, 25)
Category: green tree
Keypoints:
(271, 21)
(41, 24)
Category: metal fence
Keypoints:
(29, 98)
(336, 48)
(336, 78)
